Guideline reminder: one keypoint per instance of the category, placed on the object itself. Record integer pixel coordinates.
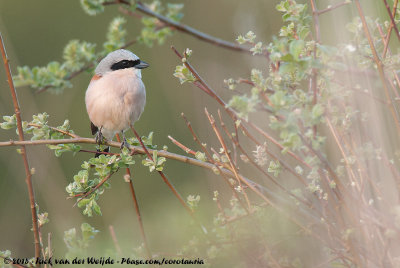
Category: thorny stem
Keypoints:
(28, 173)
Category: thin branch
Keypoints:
(236, 142)
(139, 216)
(322, 11)
(203, 86)
(215, 164)
(128, 179)
(390, 29)
(174, 191)
(314, 75)
(180, 145)
(92, 190)
(115, 240)
(379, 63)
(396, 30)
(227, 154)
(28, 173)
(184, 28)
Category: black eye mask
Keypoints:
(124, 64)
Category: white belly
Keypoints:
(115, 101)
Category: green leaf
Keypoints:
(183, 74)
(92, 7)
(116, 35)
(295, 48)
(201, 156)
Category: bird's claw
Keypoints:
(124, 144)
(99, 137)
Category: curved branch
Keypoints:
(184, 28)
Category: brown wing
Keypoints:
(93, 128)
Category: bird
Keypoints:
(116, 95)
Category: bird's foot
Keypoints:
(124, 144)
(99, 137)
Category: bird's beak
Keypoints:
(142, 65)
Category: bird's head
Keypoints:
(118, 60)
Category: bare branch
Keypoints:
(322, 11)
(184, 28)
(128, 179)
(378, 62)
(28, 173)
(390, 29)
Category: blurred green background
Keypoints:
(36, 32)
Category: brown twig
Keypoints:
(172, 188)
(215, 164)
(379, 63)
(393, 23)
(227, 154)
(50, 252)
(115, 240)
(325, 10)
(128, 179)
(139, 217)
(28, 173)
(180, 145)
(235, 141)
(390, 29)
(92, 190)
(200, 83)
(184, 28)
(137, 150)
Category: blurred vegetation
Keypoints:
(300, 132)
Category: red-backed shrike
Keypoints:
(116, 95)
